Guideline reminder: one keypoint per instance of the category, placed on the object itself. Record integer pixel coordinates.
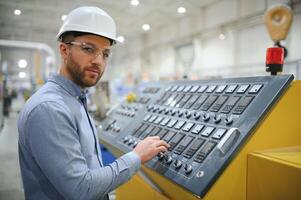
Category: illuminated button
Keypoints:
(194, 88)
(242, 89)
(211, 89)
(179, 125)
(208, 130)
(158, 120)
(152, 119)
(231, 88)
(188, 126)
(255, 88)
(219, 133)
(187, 88)
(172, 123)
(180, 88)
(197, 129)
(165, 121)
(202, 88)
(174, 88)
(220, 89)
(168, 88)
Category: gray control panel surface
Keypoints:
(205, 122)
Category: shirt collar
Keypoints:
(68, 85)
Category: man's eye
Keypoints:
(106, 54)
(88, 49)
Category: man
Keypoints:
(58, 150)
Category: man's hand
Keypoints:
(150, 147)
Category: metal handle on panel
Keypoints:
(228, 140)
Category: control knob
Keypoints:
(188, 114)
(187, 168)
(196, 115)
(135, 144)
(206, 117)
(126, 139)
(180, 113)
(168, 159)
(217, 119)
(229, 120)
(173, 112)
(178, 164)
(160, 155)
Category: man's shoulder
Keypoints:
(49, 96)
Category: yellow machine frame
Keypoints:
(281, 127)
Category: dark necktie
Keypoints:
(83, 99)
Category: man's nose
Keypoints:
(98, 59)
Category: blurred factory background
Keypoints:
(159, 40)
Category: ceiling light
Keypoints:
(181, 10)
(135, 2)
(22, 63)
(63, 17)
(22, 74)
(146, 27)
(222, 36)
(120, 38)
(17, 12)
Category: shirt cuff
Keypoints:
(134, 161)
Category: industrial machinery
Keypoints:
(207, 123)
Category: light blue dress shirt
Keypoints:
(58, 153)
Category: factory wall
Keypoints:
(226, 38)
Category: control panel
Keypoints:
(205, 122)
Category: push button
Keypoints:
(211, 89)
(219, 133)
(255, 88)
(231, 88)
(197, 129)
(208, 131)
(242, 89)
(220, 89)
(202, 88)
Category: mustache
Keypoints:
(95, 68)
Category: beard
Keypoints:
(86, 76)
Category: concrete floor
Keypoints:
(10, 178)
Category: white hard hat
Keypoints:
(90, 20)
